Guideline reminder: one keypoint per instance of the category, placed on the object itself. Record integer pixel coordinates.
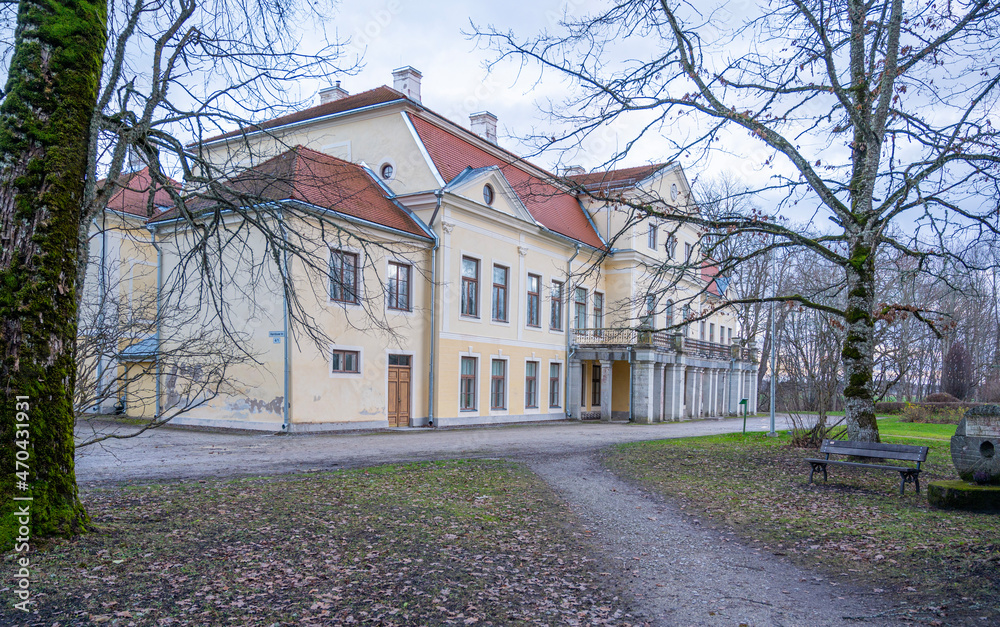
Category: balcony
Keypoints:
(662, 341)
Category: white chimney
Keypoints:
(406, 80)
(484, 124)
(329, 94)
(572, 170)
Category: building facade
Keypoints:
(452, 283)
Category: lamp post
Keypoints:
(774, 342)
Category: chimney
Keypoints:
(484, 124)
(406, 80)
(572, 170)
(329, 94)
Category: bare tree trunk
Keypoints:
(44, 120)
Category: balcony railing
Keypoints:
(662, 340)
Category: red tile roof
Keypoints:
(318, 179)
(133, 194)
(379, 95)
(708, 273)
(614, 180)
(551, 206)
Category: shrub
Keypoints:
(889, 407)
(936, 413)
(940, 397)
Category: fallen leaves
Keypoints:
(451, 543)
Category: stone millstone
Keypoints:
(974, 447)
(961, 495)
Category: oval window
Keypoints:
(673, 191)
(387, 171)
(488, 194)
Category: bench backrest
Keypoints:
(903, 452)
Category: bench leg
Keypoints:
(817, 466)
(906, 475)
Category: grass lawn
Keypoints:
(855, 528)
(448, 543)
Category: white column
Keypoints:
(606, 386)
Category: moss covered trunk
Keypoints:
(858, 350)
(45, 119)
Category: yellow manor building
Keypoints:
(505, 293)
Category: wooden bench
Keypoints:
(875, 450)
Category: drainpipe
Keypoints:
(569, 352)
(285, 406)
(102, 301)
(159, 313)
(437, 243)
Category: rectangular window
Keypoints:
(399, 286)
(598, 310)
(467, 387)
(534, 300)
(470, 287)
(701, 330)
(531, 384)
(668, 313)
(580, 308)
(711, 332)
(687, 313)
(498, 385)
(650, 316)
(343, 276)
(671, 246)
(687, 252)
(554, 385)
(730, 340)
(500, 274)
(595, 385)
(652, 236)
(556, 297)
(345, 361)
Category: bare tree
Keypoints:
(139, 78)
(869, 114)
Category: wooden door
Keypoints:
(399, 391)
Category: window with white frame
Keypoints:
(399, 286)
(500, 277)
(711, 332)
(671, 247)
(531, 385)
(534, 300)
(343, 276)
(668, 313)
(598, 310)
(470, 287)
(556, 297)
(467, 384)
(580, 308)
(649, 318)
(652, 236)
(498, 384)
(344, 361)
(554, 384)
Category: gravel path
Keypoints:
(684, 574)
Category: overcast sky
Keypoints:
(429, 37)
